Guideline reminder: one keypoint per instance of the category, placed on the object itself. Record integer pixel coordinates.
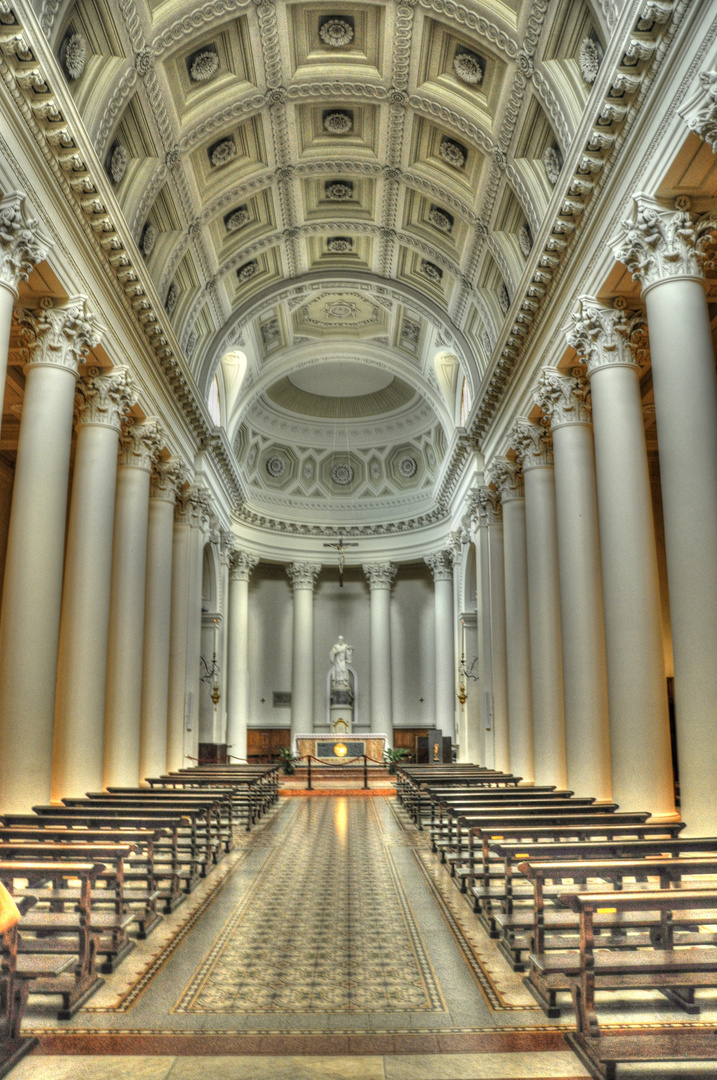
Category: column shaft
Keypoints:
(498, 702)
(520, 709)
(303, 577)
(177, 698)
(238, 653)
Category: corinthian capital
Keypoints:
(380, 575)
(700, 111)
(532, 444)
(303, 575)
(241, 565)
(660, 242)
(167, 478)
(60, 335)
(140, 443)
(603, 335)
(564, 400)
(104, 397)
(22, 244)
(441, 565)
(490, 510)
(507, 478)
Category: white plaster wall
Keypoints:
(270, 615)
(413, 646)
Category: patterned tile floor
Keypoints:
(330, 933)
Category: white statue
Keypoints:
(340, 656)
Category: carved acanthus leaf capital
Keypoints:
(140, 443)
(241, 564)
(303, 575)
(700, 112)
(194, 508)
(105, 397)
(167, 479)
(507, 478)
(603, 335)
(59, 335)
(660, 242)
(380, 575)
(564, 400)
(490, 508)
(532, 444)
(441, 565)
(22, 244)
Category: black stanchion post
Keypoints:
(365, 772)
(308, 781)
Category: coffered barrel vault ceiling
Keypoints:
(336, 203)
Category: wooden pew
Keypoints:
(81, 980)
(677, 973)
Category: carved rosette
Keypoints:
(167, 479)
(532, 444)
(22, 244)
(104, 397)
(380, 575)
(563, 400)
(62, 335)
(441, 565)
(507, 478)
(602, 335)
(661, 242)
(140, 443)
(241, 565)
(303, 575)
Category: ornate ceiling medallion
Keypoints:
(525, 239)
(119, 159)
(590, 55)
(75, 55)
(342, 474)
(276, 466)
(339, 245)
(440, 219)
(172, 298)
(407, 467)
(336, 32)
(553, 163)
(148, 239)
(340, 310)
(339, 190)
(237, 219)
(469, 67)
(204, 65)
(222, 152)
(248, 270)
(431, 271)
(452, 153)
(504, 298)
(338, 123)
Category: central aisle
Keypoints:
(331, 930)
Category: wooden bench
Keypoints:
(676, 973)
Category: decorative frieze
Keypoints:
(507, 477)
(380, 575)
(563, 400)
(603, 335)
(441, 565)
(22, 244)
(140, 443)
(303, 575)
(241, 564)
(61, 335)
(663, 240)
(532, 444)
(104, 397)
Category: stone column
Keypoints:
(480, 743)
(664, 248)
(139, 447)
(610, 344)
(565, 403)
(201, 524)
(496, 706)
(22, 246)
(533, 450)
(240, 568)
(380, 578)
(303, 578)
(508, 479)
(58, 337)
(165, 481)
(179, 621)
(102, 400)
(441, 565)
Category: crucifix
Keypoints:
(341, 548)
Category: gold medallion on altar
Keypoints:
(341, 749)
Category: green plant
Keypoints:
(393, 757)
(288, 760)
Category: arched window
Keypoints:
(465, 403)
(213, 404)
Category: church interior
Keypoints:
(358, 539)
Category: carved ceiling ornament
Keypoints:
(338, 190)
(525, 239)
(237, 219)
(380, 575)
(532, 444)
(431, 271)
(440, 219)
(408, 467)
(61, 335)
(452, 153)
(104, 397)
(338, 123)
(342, 473)
(222, 153)
(563, 399)
(172, 299)
(336, 32)
(119, 160)
(22, 243)
(553, 161)
(590, 55)
(468, 67)
(140, 443)
(248, 271)
(661, 241)
(604, 335)
(204, 66)
(276, 466)
(148, 239)
(507, 477)
(75, 56)
(339, 245)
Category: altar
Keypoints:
(337, 748)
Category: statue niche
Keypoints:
(341, 689)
